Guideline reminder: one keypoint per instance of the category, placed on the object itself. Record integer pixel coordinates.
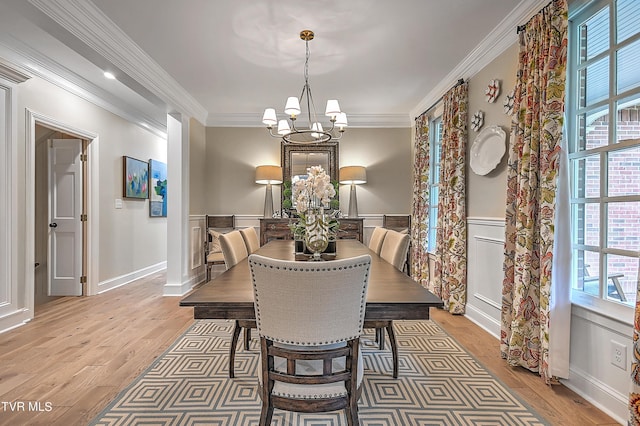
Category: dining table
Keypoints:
(391, 294)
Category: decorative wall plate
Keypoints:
(477, 120)
(487, 149)
(508, 102)
(493, 90)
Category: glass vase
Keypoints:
(316, 236)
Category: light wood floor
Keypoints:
(78, 353)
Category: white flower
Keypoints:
(315, 191)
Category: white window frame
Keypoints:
(600, 302)
(435, 147)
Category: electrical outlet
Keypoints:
(619, 355)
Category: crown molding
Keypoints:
(12, 72)
(355, 120)
(90, 25)
(42, 66)
(499, 40)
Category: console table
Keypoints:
(278, 229)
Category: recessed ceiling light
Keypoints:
(109, 75)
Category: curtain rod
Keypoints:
(522, 27)
(460, 81)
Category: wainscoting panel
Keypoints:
(484, 277)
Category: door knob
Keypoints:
(53, 225)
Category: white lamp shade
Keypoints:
(333, 108)
(292, 107)
(353, 174)
(283, 127)
(269, 117)
(268, 174)
(341, 120)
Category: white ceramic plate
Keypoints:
(487, 149)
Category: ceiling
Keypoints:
(224, 61)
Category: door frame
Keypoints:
(91, 187)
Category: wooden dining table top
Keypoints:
(391, 295)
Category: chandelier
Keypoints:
(313, 132)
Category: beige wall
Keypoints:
(197, 167)
(129, 239)
(486, 195)
(233, 153)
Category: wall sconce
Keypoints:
(353, 175)
(268, 175)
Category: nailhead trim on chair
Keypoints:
(293, 268)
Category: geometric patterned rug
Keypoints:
(439, 383)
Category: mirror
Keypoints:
(297, 158)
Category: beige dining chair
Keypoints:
(310, 317)
(251, 240)
(394, 250)
(234, 250)
(377, 237)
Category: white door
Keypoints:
(65, 208)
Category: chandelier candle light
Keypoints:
(313, 132)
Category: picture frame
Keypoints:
(135, 178)
(157, 188)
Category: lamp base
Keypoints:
(353, 202)
(268, 202)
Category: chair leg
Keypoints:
(247, 338)
(266, 414)
(232, 349)
(394, 348)
(380, 338)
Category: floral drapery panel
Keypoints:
(420, 209)
(450, 275)
(634, 394)
(533, 167)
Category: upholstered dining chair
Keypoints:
(377, 237)
(310, 317)
(394, 250)
(234, 250)
(251, 240)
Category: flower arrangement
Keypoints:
(314, 192)
(311, 196)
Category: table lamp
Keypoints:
(268, 175)
(353, 175)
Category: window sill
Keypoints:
(615, 311)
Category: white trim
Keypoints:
(15, 319)
(482, 320)
(355, 120)
(498, 40)
(486, 300)
(486, 221)
(90, 25)
(42, 66)
(125, 279)
(604, 397)
(93, 196)
(12, 304)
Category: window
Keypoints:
(434, 170)
(603, 113)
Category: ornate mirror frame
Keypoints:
(286, 151)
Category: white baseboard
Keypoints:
(182, 288)
(599, 394)
(482, 320)
(15, 319)
(116, 282)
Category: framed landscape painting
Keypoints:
(136, 178)
(158, 189)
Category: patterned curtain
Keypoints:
(634, 394)
(533, 168)
(450, 277)
(420, 209)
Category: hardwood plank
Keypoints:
(80, 352)
(557, 403)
